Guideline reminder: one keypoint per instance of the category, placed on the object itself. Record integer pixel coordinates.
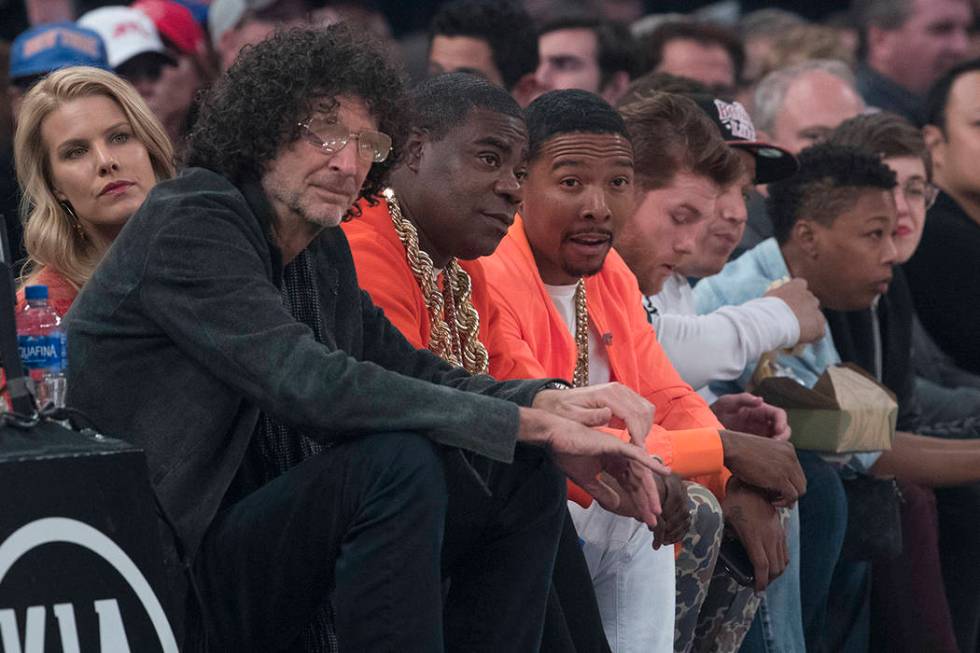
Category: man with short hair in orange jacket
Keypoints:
(569, 306)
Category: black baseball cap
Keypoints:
(772, 163)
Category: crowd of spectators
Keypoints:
(640, 211)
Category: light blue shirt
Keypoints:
(748, 277)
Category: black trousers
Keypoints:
(959, 541)
(377, 522)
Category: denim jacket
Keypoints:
(748, 277)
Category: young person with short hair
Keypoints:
(885, 340)
(569, 303)
(834, 225)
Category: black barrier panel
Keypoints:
(80, 556)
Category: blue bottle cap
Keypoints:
(35, 292)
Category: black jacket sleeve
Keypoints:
(208, 283)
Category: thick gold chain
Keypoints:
(454, 332)
(580, 378)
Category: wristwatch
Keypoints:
(556, 385)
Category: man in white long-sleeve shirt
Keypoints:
(688, 227)
(666, 246)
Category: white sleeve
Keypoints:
(718, 346)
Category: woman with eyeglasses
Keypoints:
(88, 151)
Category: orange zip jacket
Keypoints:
(532, 341)
(383, 271)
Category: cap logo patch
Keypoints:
(82, 43)
(736, 119)
(40, 42)
(73, 40)
(129, 26)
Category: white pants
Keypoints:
(633, 583)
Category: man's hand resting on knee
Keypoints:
(756, 524)
(584, 454)
(767, 464)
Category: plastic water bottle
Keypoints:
(43, 347)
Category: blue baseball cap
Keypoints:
(46, 48)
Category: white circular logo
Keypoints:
(61, 529)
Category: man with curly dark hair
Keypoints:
(492, 38)
(302, 450)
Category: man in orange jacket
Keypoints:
(569, 306)
(451, 200)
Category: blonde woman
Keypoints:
(88, 150)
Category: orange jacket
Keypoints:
(533, 341)
(382, 270)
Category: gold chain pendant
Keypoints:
(580, 378)
(454, 332)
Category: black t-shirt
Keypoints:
(944, 277)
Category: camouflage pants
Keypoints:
(713, 611)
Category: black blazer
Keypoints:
(180, 338)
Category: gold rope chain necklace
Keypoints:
(454, 322)
(580, 378)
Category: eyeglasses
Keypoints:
(332, 138)
(918, 191)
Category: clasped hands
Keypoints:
(624, 479)
(621, 476)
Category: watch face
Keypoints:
(556, 385)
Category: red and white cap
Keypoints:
(125, 31)
(176, 23)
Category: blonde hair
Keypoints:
(50, 235)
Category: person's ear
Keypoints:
(526, 89)
(879, 41)
(414, 147)
(936, 144)
(615, 87)
(806, 235)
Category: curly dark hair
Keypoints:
(254, 108)
(503, 24)
(830, 181)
